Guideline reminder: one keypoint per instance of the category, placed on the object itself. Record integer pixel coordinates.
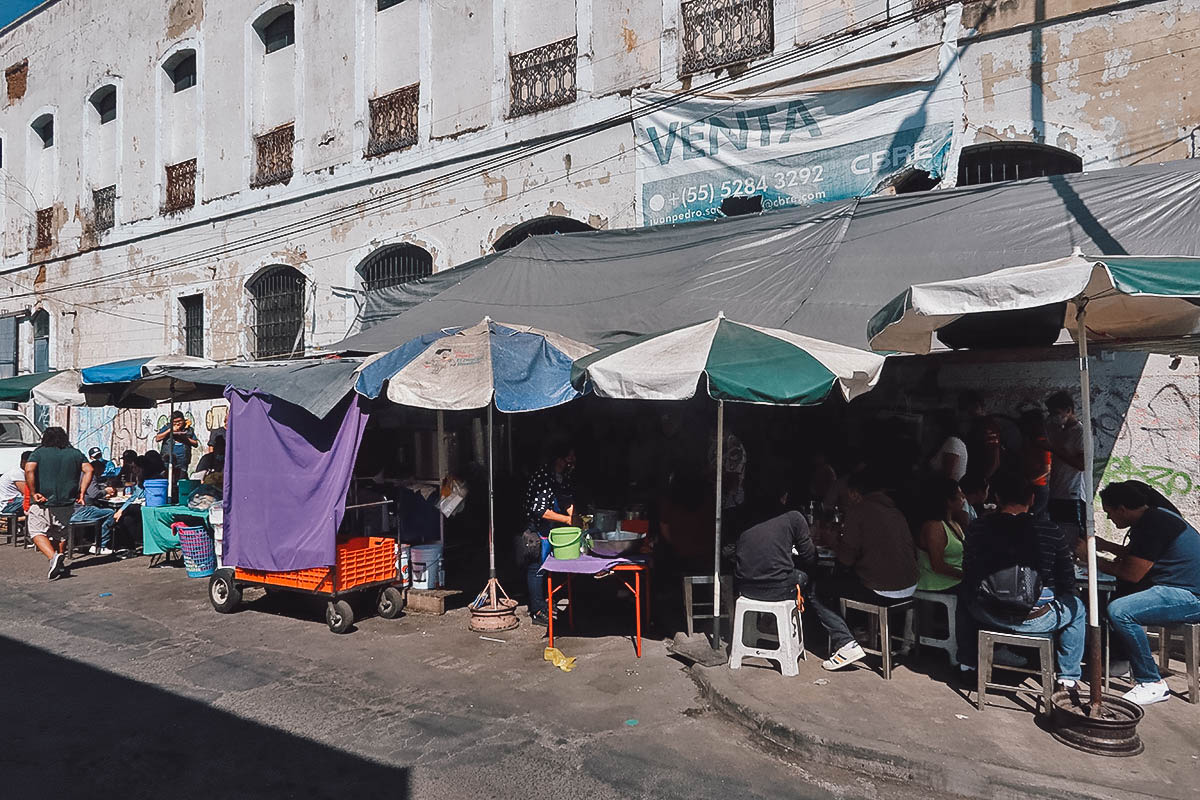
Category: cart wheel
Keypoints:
(339, 616)
(391, 602)
(223, 593)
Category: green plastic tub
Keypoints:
(565, 542)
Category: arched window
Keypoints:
(277, 28)
(43, 128)
(1013, 161)
(181, 70)
(277, 307)
(394, 265)
(104, 101)
(541, 226)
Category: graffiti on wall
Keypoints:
(116, 430)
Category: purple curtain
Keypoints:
(286, 476)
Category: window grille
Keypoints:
(1013, 161)
(542, 226)
(104, 202)
(277, 301)
(273, 156)
(542, 78)
(10, 346)
(45, 228)
(183, 71)
(181, 186)
(721, 32)
(394, 121)
(193, 324)
(280, 32)
(392, 266)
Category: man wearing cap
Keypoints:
(101, 466)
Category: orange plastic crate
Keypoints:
(360, 561)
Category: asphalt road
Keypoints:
(121, 681)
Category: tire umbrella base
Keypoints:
(493, 610)
(1110, 731)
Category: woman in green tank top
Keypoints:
(940, 539)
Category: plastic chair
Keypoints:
(882, 632)
(1045, 648)
(787, 623)
(949, 643)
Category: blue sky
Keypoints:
(11, 9)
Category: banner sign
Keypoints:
(791, 150)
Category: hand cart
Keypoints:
(363, 564)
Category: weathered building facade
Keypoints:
(230, 178)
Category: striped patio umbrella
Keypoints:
(1148, 303)
(741, 363)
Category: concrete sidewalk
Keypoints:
(920, 728)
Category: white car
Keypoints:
(17, 434)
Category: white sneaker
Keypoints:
(846, 655)
(1145, 694)
(56, 567)
(1067, 683)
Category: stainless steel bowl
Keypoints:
(613, 544)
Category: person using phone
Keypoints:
(177, 439)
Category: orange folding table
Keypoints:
(637, 568)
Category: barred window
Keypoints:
(181, 186)
(721, 32)
(1013, 161)
(273, 156)
(192, 308)
(394, 265)
(542, 78)
(277, 304)
(394, 120)
(104, 202)
(542, 226)
(45, 228)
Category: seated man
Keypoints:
(1003, 548)
(876, 555)
(12, 487)
(102, 468)
(1162, 565)
(765, 570)
(95, 508)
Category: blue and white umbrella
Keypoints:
(513, 367)
(456, 369)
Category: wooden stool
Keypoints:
(882, 630)
(1045, 648)
(1190, 633)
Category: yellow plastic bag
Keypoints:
(555, 657)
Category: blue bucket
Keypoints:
(156, 492)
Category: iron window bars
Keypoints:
(721, 32)
(543, 77)
(394, 120)
(273, 156)
(181, 186)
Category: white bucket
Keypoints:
(427, 570)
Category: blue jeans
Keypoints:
(14, 506)
(93, 514)
(1158, 605)
(1067, 617)
(535, 581)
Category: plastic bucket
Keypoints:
(404, 565)
(426, 563)
(186, 489)
(565, 543)
(156, 492)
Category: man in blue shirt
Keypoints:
(1161, 567)
(177, 440)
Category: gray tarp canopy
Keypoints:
(316, 384)
(820, 271)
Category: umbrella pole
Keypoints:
(491, 498)
(717, 526)
(441, 472)
(171, 447)
(1095, 671)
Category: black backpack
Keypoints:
(1012, 591)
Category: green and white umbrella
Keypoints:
(742, 363)
(1149, 303)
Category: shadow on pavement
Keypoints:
(77, 731)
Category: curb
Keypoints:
(956, 774)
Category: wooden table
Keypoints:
(593, 565)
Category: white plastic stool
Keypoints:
(787, 622)
(950, 644)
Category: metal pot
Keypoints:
(605, 519)
(613, 544)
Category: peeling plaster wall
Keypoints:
(1116, 91)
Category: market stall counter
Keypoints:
(598, 566)
(158, 537)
